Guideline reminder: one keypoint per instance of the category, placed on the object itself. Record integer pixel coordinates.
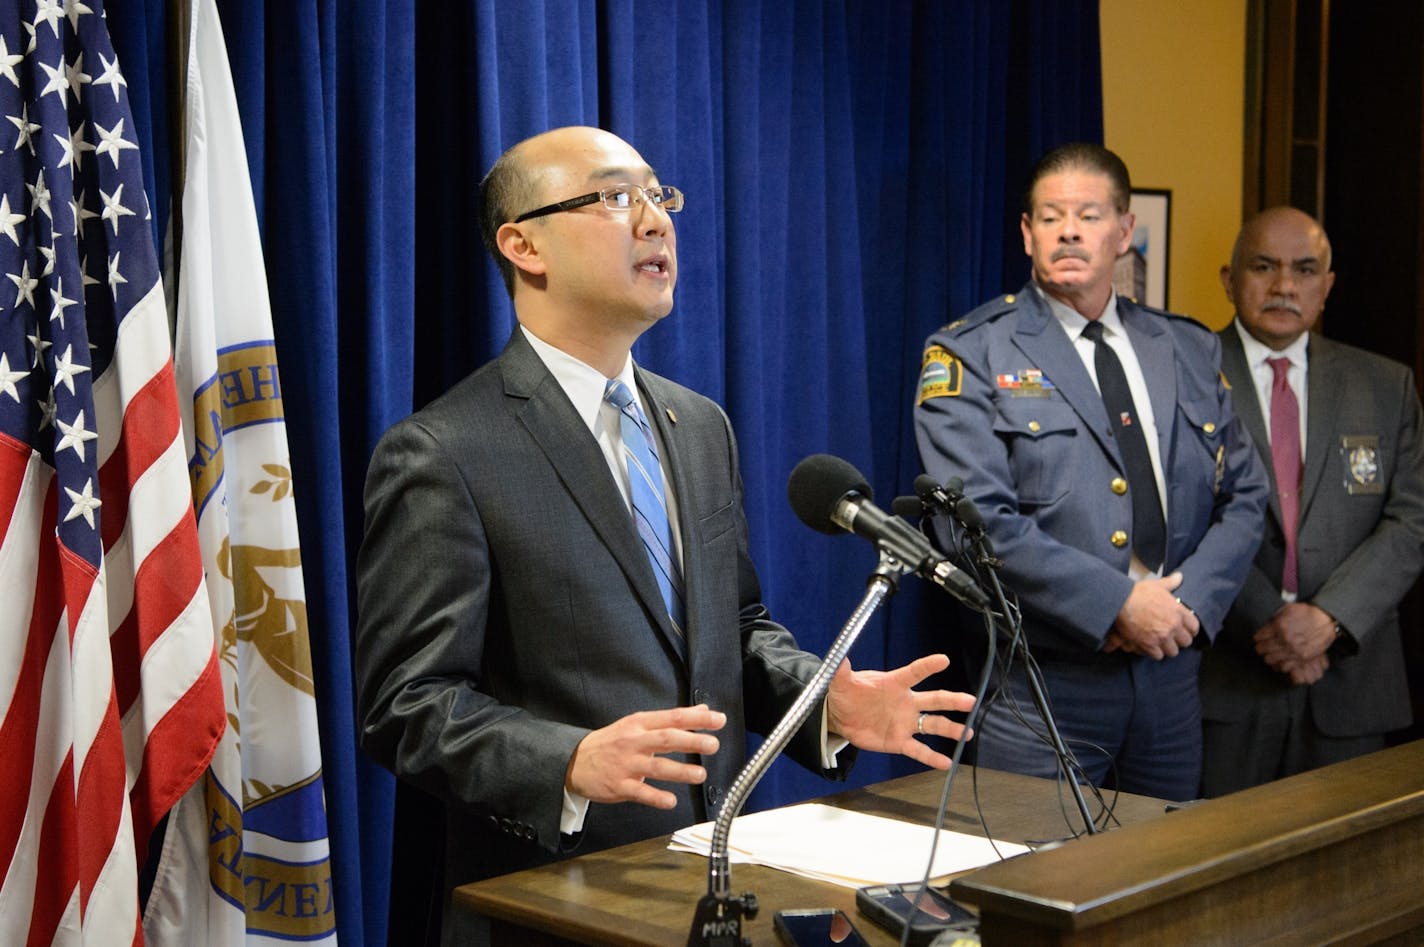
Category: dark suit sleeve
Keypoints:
(1366, 588)
(424, 601)
(1213, 573)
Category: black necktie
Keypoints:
(1148, 531)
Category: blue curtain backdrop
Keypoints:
(853, 173)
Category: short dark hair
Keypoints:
(1082, 156)
(506, 188)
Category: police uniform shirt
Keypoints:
(1073, 324)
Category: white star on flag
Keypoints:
(65, 369)
(8, 220)
(27, 129)
(111, 76)
(8, 61)
(25, 284)
(8, 378)
(85, 503)
(74, 436)
(111, 141)
(58, 82)
(49, 11)
(60, 303)
(113, 210)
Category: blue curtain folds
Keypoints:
(853, 174)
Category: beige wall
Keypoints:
(1173, 75)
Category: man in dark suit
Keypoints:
(551, 669)
(1117, 485)
(1309, 668)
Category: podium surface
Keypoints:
(643, 894)
(1331, 856)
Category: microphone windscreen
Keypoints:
(817, 486)
(907, 507)
(925, 486)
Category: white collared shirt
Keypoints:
(584, 386)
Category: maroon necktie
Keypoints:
(1285, 457)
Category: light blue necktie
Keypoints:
(645, 488)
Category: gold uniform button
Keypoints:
(1119, 538)
(1119, 486)
(1034, 426)
(1009, 298)
(1209, 427)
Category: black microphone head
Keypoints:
(817, 486)
(969, 516)
(907, 507)
(954, 486)
(925, 486)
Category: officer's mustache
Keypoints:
(1280, 302)
(1077, 253)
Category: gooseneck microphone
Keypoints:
(829, 495)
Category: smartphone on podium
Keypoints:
(817, 928)
(928, 915)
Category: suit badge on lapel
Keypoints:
(1220, 469)
(1028, 383)
(671, 416)
(1360, 455)
(941, 374)
(1224, 383)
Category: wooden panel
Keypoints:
(1335, 853)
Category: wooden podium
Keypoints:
(1330, 856)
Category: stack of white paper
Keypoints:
(843, 847)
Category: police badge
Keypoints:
(1359, 454)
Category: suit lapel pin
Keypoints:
(671, 416)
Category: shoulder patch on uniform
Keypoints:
(941, 374)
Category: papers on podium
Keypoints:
(845, 848)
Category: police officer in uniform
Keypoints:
(1120, 491)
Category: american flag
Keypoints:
(109, 686)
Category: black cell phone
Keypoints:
(817, 928)
(928, 914)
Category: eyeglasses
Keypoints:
(616, 197)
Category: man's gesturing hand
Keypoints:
(611, 764)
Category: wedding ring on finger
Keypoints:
(920, 724)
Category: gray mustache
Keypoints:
(1279, 302)
(1078, 253)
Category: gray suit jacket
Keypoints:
(506, 607)
(1360, 546)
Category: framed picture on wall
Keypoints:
(1141, 272)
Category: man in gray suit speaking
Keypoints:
(561, 632)
(1309, 668)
